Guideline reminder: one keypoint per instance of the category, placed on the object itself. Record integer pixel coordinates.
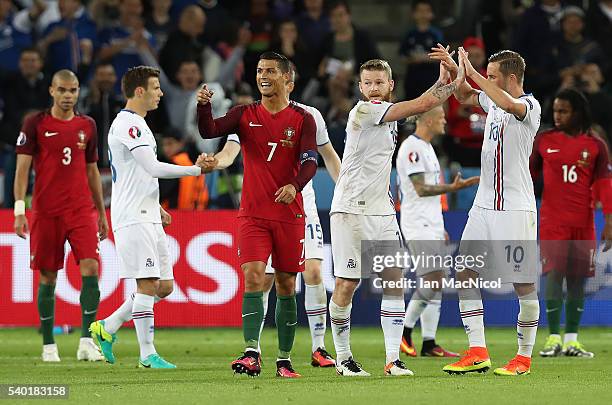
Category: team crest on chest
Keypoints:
(289, 134)
(585, 157)
(81, 141)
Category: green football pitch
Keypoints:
(204, 375)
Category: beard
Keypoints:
(383, 97)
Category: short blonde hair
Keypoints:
(377, 64)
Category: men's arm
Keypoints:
(433, 97)
(227, 155)
(602, 190)
(465, 93)
(146, 158)
(535, 160)
(22, 175)
(308, 163)
(148, 58)
(331, 159)
(427, 190)
(501, 99)
(95, 185)
(308, 154)
(215, 128)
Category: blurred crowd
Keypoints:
(565, 44)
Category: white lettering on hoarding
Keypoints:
(203, 263)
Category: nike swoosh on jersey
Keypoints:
(252, 124)
(250, 313)
(552, 150)
(48, 134)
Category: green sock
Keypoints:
(286, 324)
(90, 298)
(573, 313)
(575, 303)
(553, 313)
(252, 316)
(46, 310)
(554, 301)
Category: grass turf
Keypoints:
(204, 374)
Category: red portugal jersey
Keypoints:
(570, 165)
(60, 151)
(273, 145)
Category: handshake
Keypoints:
(207, 162)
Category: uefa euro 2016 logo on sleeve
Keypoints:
(22, 139)
(134, 132)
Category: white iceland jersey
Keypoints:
(505, 181)
(421, 217)
(135, 193)
(308, 194)
(363, 184)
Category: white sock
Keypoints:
(472, 316)
(315, 302)
(340, 318)
(527, 324)
(122, 314)
(430, 317)
(417, 305)
(570, 337)
(142, 314)
(392, 322)
(266, 295)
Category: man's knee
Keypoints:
(312, 272)
(285, 283)
(344, 290)
(254, 276)
(89, 267)
(268, 282)
(165, 288)
(48, 277)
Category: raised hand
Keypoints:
(467, 65)
(440, 53)
(205, 95)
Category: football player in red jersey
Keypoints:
(67, 205)
(279, 149)
(574, 164)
